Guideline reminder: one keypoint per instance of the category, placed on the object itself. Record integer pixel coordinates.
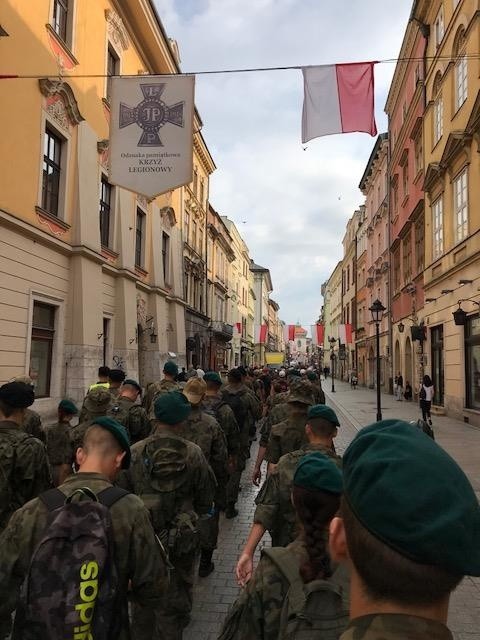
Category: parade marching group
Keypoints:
(103, 525)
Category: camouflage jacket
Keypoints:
(277, 414)
(153, 390)
(30, 474)
(318, 394)
(274, 507)
(250, 401)
(197, 487)
(137, 554)
(395, 626)
(225, 417)
(202, 429)
(286, 436)
(58, 443)
(133, 417)
(32, 424)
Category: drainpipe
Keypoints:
(390, 269)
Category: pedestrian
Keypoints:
(296, 591)
(274, 511)
(115, 381)
(425, 394)
(103, 378)
(127, 412)
(409, 530)
(59, 444)
(63, 575)
(32, 422)
(166, 384)
(97, 403)
(204, 430)
(399, 387)
(408, 395)
(177, 485)
(326, 371)
(182, 376)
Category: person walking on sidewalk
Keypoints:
(399, 388)
(426, 393)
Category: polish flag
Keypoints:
(260, 334)
(345, 333)
(289, 332)
(318, 334)
(238, 327)
(338, 99)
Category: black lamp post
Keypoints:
(332, 342)
(377, 310)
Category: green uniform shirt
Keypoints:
(59, 444)
(285, 437)
(133, 417)
(155, 389)
(395, 626)
(278, 413)
(32, 424)
(225, 417)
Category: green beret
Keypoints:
(133, 383)
(410, 494)
(317, 472)
(212, 376)
(172, 407)
(68, 406)
(312, 376)
(325, 412)
(18, 395)
(120, 434)
(170, 368)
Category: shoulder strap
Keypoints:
(288, 565)
(109, 496)
(53, 499)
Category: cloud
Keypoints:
(295, 203)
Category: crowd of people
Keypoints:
(104, 524)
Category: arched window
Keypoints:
(461, 68)
(437, 108)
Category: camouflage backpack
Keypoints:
(236, 404)
(164, 495)
(120, 412)
(8, 454)
(318, 610)
(70, 589)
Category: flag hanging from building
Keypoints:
(345, 333)
(151, 133)
(289, 332)
(260, 334)
(318, 334)
(338, 99)
(238, 328)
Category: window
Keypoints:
(186, 226)
(419, 245)
(60, 18)
(407, 259)
(140, 239)
(43, 332)
(405, 178)
(404, 112)
(195, 182)
(396, 270)
(437, 119)
(418, 154)
(439, 28)
(106, 190)
(460, 191)
(395, 200)
(437, 211)
(113, 69)
(194, 235)
(165, 256)
(461, 82)
(52, 155)
(200, 241)
(472, 361)
(202, 192)
(416, 76)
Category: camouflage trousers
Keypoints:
(208, 529)
(233, 484)
(5, 627)
(169, 620)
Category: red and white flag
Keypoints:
(260, 334)
(289, 332)
(238, 327)
(338, 99)
(345, 333)
(318, 334)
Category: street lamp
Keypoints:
(377, 310)
(332, 342)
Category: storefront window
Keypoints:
(437, 364)
(472, 362)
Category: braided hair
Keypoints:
(315, 510)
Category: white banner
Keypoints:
(151, 133)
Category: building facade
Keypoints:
(451, 133)
(332, 317)
(262, 288)
(349, 290)
(83, 280)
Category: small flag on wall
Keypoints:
(260, 334)
(238, 327)
(345, 333)
(338, 99)
(318, 334)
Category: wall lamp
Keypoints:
(430, 299)
(445, 291)
(460, 316)
(465, 281)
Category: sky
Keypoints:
(289, 201)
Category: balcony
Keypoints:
(222, 330)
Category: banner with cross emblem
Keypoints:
(151, 133)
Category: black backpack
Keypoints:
(71, 586)
(235, 403)
(423, 394)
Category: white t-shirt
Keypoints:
(429, 392)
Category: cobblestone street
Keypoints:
(215, 594)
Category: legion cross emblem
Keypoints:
(151, 114)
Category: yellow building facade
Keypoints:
(451, 133)
(90, 273)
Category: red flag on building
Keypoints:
(261, 334)
(318, 334)
(345, 333)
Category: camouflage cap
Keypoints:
(318, 472)
(212, 376)
(170, 368)
(194, 390)
(410, 494)
(68, 407)
(325, 412)
(120, 434)
(301, 392)
(172, 408)
(97, 400)
(17, 394)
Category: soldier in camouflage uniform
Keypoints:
(177, 485)
(274, 598)
(316, 383)
(32, 422)
(96, 404)
(59, 444)
(125, 410)
(213, 404)
(289, 434)
(154, 389)
(409, 529)
(203, 429)
(115, 381)
(24, 471)
(247, 410)
(140, 566)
